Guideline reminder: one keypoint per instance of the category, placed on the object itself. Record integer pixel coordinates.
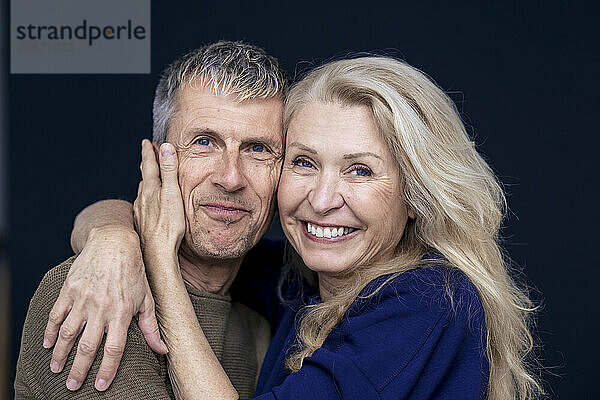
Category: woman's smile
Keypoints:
(327, 233)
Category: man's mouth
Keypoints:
(224, 212)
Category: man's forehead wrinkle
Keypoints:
(224, 112)
(192, 97)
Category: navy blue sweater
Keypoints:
(422, 336)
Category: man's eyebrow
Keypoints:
(362, 154)
(303, 147)
(201, 131)
(274, 144)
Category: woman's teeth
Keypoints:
(327, 232)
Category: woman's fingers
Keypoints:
(113, 351)
(158, 209)
(67, 334)
(168, 171)
(159, 215)
(149, 326)
(106, 286)
(86, 353)
(149, 167)
(170, 194)
(168, 167)
(57, 315)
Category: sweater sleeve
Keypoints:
(139, 376)
(418, 338)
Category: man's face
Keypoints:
(230, 156)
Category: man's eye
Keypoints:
(259, 148)
(203, 142)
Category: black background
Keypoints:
(523, 75)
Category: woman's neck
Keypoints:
(329, 285)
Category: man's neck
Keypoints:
(212, 276)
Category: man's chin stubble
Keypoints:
(236, 248)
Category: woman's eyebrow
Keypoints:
(362, 154)
(303, 147)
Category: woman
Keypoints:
(395, 217)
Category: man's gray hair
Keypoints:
(226, 68)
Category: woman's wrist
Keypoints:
(160, 264)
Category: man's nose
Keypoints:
(325, 196)
(228, 175)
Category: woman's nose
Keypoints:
(325, 196)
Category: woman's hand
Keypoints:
(194, 369)
(158, 209)
(106, 286)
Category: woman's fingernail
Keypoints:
(54, 367)
(166, 150)
(72, 384)
(101, 384)
(47, 343)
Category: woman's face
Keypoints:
(340, 193)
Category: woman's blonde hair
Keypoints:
(458, 203)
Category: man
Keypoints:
(220, 107)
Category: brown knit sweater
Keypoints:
(238, 336)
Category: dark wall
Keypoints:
(524, 76)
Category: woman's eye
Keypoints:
(302, 162)
(259, 148)
(203, 142)
(362, 171)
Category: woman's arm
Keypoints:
(106, 286)
(194, 369)
(113, 214)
